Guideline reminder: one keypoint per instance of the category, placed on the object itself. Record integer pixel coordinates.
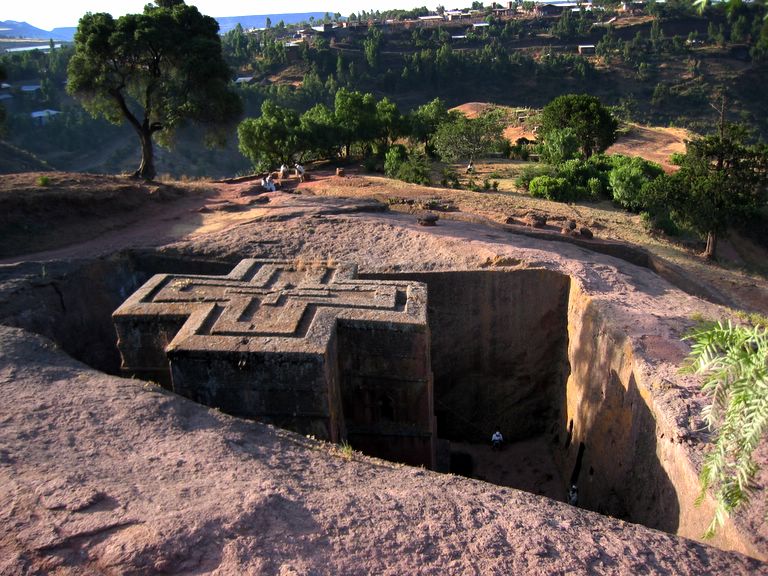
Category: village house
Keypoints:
(42, 117)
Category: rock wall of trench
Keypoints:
(632, 465)
(71, 302)
(498, 351)
(525, 349)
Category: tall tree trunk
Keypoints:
(146, 169)
(144, 131)
(711, 249)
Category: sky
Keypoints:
(49, 14)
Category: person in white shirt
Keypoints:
(269, 184)
(300, 172)
(496, 440)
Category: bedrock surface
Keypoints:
(107, 475)
(104, 473)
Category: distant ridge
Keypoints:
(227, 23)
(13, 29)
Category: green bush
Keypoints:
(372, 163)
(519, 152)
(596, 188)
(43, 180)
(550, 188)
(393, 159)
(585, 180)
(450, 178)
(406, 166)
(559, 146)
(660, 221)
(628, 180)
(415, 169)
(530, 172)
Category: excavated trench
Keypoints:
(522, 350)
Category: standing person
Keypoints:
(470, 167)
(573, 495)
(300, 172)
(496, 440)
(283, 171)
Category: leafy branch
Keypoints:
(734, 363)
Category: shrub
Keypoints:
(550, 188)
(530, 172)
(586, 180)
(596, 188)
(408, 167)
(628, 180)
(415, 169)
(560, 145)
(43, 180)
(371, 164)
(393, 159)
(450, 178)
(519, 152)
(661, 221)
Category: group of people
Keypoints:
(268, 183)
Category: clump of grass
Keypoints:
(43, 180)
(753, 318)
(346, 450)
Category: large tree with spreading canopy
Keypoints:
(154, 70)
(592, 123)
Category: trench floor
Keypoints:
(526, 465)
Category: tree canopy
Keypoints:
(425, 120)
(469, 138)
(720, 182)
(592, 123)
(154, 70)
(280, 134)
(271, 139)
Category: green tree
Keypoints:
(355, 115)
(235, 45)
(721, 181)
(425, 120)
(469, 138)
(271, 139)
(319, 132)
(591, 122)
(372, 48)
(154, 70)
(389, 122)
